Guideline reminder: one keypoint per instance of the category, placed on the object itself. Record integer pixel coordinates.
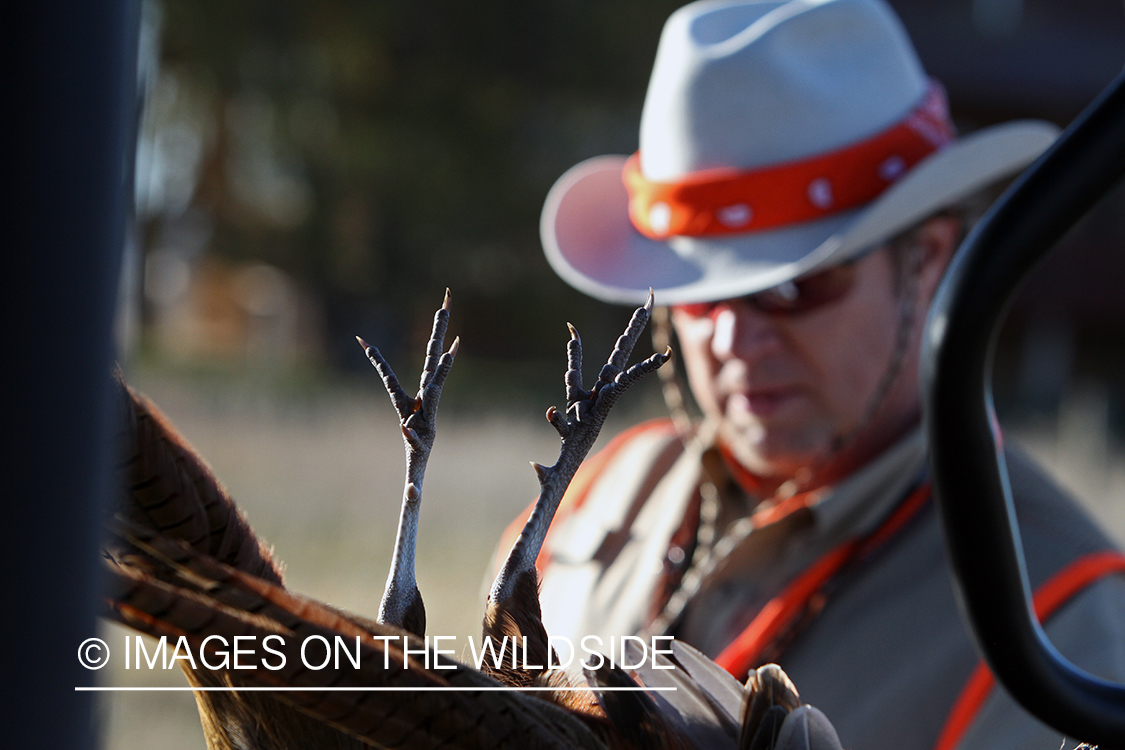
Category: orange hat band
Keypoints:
(727, 201)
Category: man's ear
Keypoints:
(937, 239)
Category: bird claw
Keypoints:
(420, 411)
(434, 348)
(401, 402)
(578, 427)
(402, 604)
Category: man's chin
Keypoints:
(772, 453)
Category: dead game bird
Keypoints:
(184, 563)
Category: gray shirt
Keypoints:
(888, 654)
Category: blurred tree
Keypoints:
(380, 151)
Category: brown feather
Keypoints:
(518, 619)
(414, 619)
(169, 488)
(394, 719)
(767, 688)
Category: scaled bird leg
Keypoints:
(402, 603)
(513, 603)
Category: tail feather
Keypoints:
(169, 488)
(146, 602)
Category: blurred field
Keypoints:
(1079, 451)
(320, 477)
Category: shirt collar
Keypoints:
(860, 502)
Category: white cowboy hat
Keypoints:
(776, 138)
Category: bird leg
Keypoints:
(402, 603)
(513, 602)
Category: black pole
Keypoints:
(67, 92)
(970, 479)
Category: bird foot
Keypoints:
(402, 603)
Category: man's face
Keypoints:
(788, 386)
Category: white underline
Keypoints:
(436, 689)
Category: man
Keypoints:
(796, 198)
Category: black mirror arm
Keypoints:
(969, 474)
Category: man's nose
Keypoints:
(742, 332)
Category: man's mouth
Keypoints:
(762, 403)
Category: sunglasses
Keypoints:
(800, 295)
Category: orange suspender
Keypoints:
(1047, 600)
(742, 654)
